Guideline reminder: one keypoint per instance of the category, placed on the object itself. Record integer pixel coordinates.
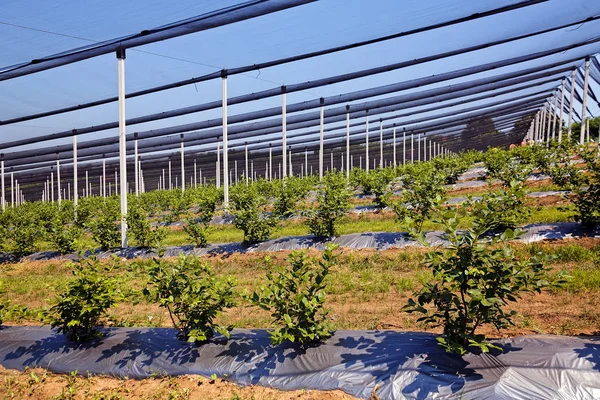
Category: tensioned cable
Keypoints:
(253, 67)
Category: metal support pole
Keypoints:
(58, 181)
(381, 144)
(291, 173)
(367, 140)
(412, 148)
(103, 181)
(305, 162)
(195, 175)
(284, 130)
(182, 166)
(122, 145)
(347, 142)
(584, 102)
(12, 194)
(75, 178)
(87, 186)
(225, 144)
(246, 168)
(135, 164)
(321, 117)
(554, 116)
(404, 146)
(419, 147)
(562, 107)
(3, 193)
(171, 175)
(394, 137)
(571, 101)
(270, 161)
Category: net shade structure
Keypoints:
(357, 118)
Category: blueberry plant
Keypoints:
(332, 203)
(474, 279)
(193, 296)
(77, 312)
(249, 209)
(295, 296)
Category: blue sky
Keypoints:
(310, 27)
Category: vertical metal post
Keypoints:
(381, 143)
(348, 142)
(2, 178)
(122, 145)
(403, 146)
(182, 165)
(246, 171)
(419, 147)
(171, 175)
(236, 172)
(12, 187)
(58, 180)
(412, 148)
(305, 162)
(291, 173)
(331, 154)
(367, 140)
(549, 121)
(103, 180)
(195, 175)
(270, 161)
(321, 118)
(75, 178)
(394, 136)
(135, 164)
(87, 190)
(562, 107)
(225, 144)
(571, 101)
(554, 116)
(284, 130)
(584, 102)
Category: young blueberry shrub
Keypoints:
(249, 210)
(507, 166)
(474, 280)
(198, 224)
(288, 193)
(422, 195)
(193, 296)
(587, 200)
(295, 296)
(77, 312)
(103, 225)
(500, 210)
(61, 230)
(332, 203)
(140, 228)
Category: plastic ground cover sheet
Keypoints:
(368, 240)
(400, 364)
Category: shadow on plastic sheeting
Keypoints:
(591, 353)
(425, 368)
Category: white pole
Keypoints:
(135, 165)
(270, 162)
(196, 175)
(419, 147)
(122, 145)
(412, 148)
(246, 158)
(2, 173)
(87, 191)
(381, 143)
(367, 140)
(75, 179)
(562, 107)
(236, 172)
(171, 176)
(225, 144)
(394, 134)
(554, 116)
(290, 156)
(284, 129)
(404, 146)
(331, 160)
(182, 166)
(103, 180)
(58, 181)
(321, 118)
(305, 162)
(347, 142)
(584, 102)
(12, 194)
(549, 122)
(571, 101)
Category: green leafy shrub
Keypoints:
(103, 225)
(288, 193)
(138, 225)
(451, 168)
(295, 296)
(500, 210)
(472, 282)
(507, 166)
(250, 214)
(62, 231)
(4, 302)
(197, 230)
(193, 296)
(332, 203)
(587, 201)
(422, 195)
(198, 224)
(77, 312)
